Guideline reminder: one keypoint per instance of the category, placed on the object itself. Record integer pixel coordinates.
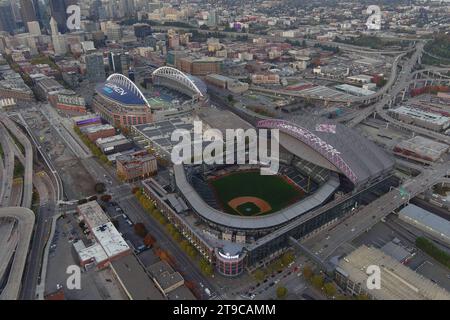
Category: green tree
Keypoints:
(317, 281)
(281, 292)
(140, 229)
(149, 240)
(330, 289)
(206, 267)
(259, 275)
(287, 258)
(100, 187)
(307, 272)
(430, 248)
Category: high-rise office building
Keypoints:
(95, 68)
(34, 28)
(15, 6)
(212, 18)
(119, 62)
(114, 31)
(58, 40)
(27, 11)
(58, 11)
(7, 22)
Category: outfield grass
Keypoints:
(273, 189)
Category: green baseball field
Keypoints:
(249, 193)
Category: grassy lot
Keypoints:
(273, 189)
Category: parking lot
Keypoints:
(77, 181)
(94, 284)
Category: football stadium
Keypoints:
(238, 218)
(120, 102)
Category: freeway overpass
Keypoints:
(28, 175)
(25, 219)
(7, 167)
(398, 84)
(48, 162)
(364, 99)
(324, 244)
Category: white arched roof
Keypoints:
(125, 82)
(177, 75)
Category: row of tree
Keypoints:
(318, 281)
(430, 248)
(189, 249)
(141, 230)
(276, 265)
(94, 149)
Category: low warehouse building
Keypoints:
(421, 149)
(426, 221)
(398, 282)
(421, 118)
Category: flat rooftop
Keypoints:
(424, 146)
(160, 132)
(117, 137)
(165, 276)
(94, 129)
(110, 239)
(398, 282)
(95, 252)
(354, 90)
(93, 214)
(181, 293)
(422, 115)
(85, 117)
(426, 218)
(135, 280)
(222, 119)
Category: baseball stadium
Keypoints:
(316, 161)
(238, 218)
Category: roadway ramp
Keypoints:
(24, 219)
(28, 175)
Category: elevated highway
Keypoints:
(25, 220)
(8, 167)
(325, 243)
(48, 162)
(397, 85)
(364, 99)
(28, 174)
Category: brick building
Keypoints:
(135, 166)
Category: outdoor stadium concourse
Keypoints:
(335, 167)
